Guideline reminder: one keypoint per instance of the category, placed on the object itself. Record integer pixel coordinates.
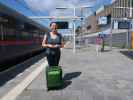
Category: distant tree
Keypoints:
(78, 30)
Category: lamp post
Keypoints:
(130, 23)
(73, 20)
(74, 26)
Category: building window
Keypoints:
(132, 2)
(88, 27)
(129, 3)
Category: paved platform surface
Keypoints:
(108, 76)
(11, 80)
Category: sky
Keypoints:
(48, 7)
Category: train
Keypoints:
(19, 36)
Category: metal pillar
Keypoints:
(2, 34)
(111, 33)
(74, 39)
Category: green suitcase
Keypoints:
(54, 77)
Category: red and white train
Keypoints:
(19, 36)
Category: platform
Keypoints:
(87, 77)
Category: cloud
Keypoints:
(41, 5)
(50, 5)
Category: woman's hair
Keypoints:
(52, 23)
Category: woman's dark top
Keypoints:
(56, 41)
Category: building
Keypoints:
(119, 17)
(122, 15)
(93, 23)
(119, 10)
(122, 9)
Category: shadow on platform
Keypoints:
(128, 54)
(71, 75)
(68, 78)
(9, 75)
(105, 50)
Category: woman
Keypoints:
(98, 45)
(53, 41)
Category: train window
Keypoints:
(19, 25)
(29, 27)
